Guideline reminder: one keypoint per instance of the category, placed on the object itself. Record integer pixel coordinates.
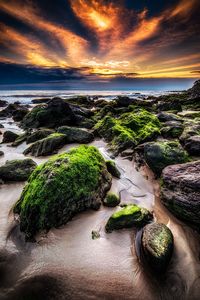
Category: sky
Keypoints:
(105, 43)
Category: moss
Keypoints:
(111, 200)
(112, 168)
(129, 129)
(129, 216)
(64, 185)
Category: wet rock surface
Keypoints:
(9, 137)
(76, 135)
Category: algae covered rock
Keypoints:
(129, 216)
(180, 191)
(112, 168)
(129, 130)
(158, 155)
(60, 188)
(39, 135)
(172, 129)
(111, 200)
(157, 246)
(47, 146)
(76, 135)
(17, 170)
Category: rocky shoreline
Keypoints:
(161, 133)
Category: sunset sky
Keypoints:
(67, 41)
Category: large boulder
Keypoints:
(158, 155)
(20, 113)
(47, 146)
(166, 116)
(157, 246)
(128, 130)
(76, 135)
(192, 145)
(9, 136)
(130, 216)
(62, 187)
(172, 129)
(17, 170)
(14, 110)
(180, 191)
(38, 135)
(55, 113)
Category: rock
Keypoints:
(3, 103)
(180, 191)
(62, 187)
(39, 135)
(1, 153)
(95, 235)
(47, 146)
(172, 129)
(170, 105)
(129, 130)
(157, 246)
(17, 170)
(112, 168)
(158, 155)
(1, 126)
(190, 130)
(55, 113)
(9, 137)
(129, 216)
(189, 114)
(194, 92)
(111, 200)
(124, 101)
(20, 139)
(165, 117)
(192, 145)
(76, 135)
(20, 113)
(14, 110)
(40, 100)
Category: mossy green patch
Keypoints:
(61, 187)
(129, 129)
(111, 200)
(129, 216)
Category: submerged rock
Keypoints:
(47, 146)
(158, 155)
(60, 188)
(129, 216)
(76, 135)
(9, 137)
(180, 191)
(112, 168)
(157, 246)
(192, 145)
(39, 135)
(17, 170)
(111, 200)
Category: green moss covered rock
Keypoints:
(172, 129)
(111, 200)
(157, 246)
(47, 146)
(60, 188)
(129, 129)
(17, 170)
(20, 139)
(76, 135)
(158, 155)
(129, 216)
(39, 135)
(112, 168)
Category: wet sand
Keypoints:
(67, 264)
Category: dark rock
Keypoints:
(20, 139)
(158, 155)
(173, 105)
(20, 113)
(17, 170)
(14, 110)
(157, 246)
(111, 200)
(194, 92)
(76, 135)
(112, 168)
(192, 145)
(62, 187)
(1, 126)
(47, 146)
(165, 117)
(190, 114)
(124, 101)
(39, 135)
(129, 216)
(3, 103)
(1, 153)
(9, 137)
(190, 130)
(40, 100)
(172, 129)
(180, 191)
